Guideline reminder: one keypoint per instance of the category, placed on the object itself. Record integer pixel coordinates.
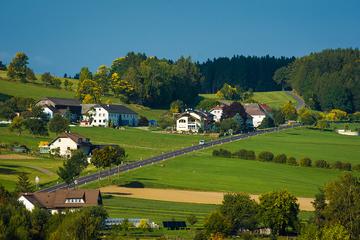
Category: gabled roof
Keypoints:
(115, 108)
(77, 138)
(201, 114)
(253, 109)
(218, 107)
(53, 200)
(64, 101)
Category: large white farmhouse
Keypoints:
(61, 200)
(193, 121)
(110, 115)
(62, 106)
(67, 142)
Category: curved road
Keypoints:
(300, 101)
(134, 165)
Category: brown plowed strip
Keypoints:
(15, 156)
(186, 196)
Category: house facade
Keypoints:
(62, 106)
(193, 121)
(61, 200)
(67, 142)
(256, 112)
(105, 115)
(217, 111)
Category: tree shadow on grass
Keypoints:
(133, 184)
(8, 171)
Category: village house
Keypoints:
(67, 142)
(193, 121)
(217, 111)
(105, 115)
(257, 111)
(62, 106)
(61, 200)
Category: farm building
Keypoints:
(62, 106)
(109, 115)
(67, 142)
(217, 111)
(193, 121)
(61, 200)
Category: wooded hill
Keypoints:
(326, 80)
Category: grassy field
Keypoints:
(45, 169)
(274, 99)
(201, 171)
(156, 211)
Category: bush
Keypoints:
(281, 158)
(341, 166)
(292, 161)
(266, 156)
(305, 162)
(357, 168)
(222, 153)
(245, 154)
(322, 164)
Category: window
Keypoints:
(94, 121)
(182, 121)
(59, 139)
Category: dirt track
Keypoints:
(186, 196)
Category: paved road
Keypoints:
(165, 156)
(300, 101)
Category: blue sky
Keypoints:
(62, 36)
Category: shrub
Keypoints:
(143, 121)
(266, 156)
(292, 161)
(281, 158)
(341, 166)
(322, 164)
(222, 153)
(245, 154)
(305, 162)
(357, 168)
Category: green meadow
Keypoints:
(274, 99)
(44, 168)
(201, 171)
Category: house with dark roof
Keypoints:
(105, 115)
(193, 120)
(62, 199)
(62, 106)
(67, 142)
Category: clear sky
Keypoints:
(62, 36)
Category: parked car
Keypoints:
(201, 142)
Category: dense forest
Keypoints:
(326, 80)
(247, 72)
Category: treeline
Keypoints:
(144, 80)
(248, 72)
(277, 214)
(326, 80)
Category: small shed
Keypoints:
(174, 225)
(44, 147)
(20, 149)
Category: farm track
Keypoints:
(165, 156)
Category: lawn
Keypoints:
(44, 168)
(201, 171)
(139, 143)
(274, 99)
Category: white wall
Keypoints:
(47, 111)
(183, 125)
(28, 205)
(217, 114)
(100, 117)
(257, 119)
(65, 145)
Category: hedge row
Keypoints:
(266, 156)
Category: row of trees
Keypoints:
(249, 72)
(18, 223)
(140, 79)
(326, 80)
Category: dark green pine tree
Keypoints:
(23, 184)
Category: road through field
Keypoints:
(185, 196)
